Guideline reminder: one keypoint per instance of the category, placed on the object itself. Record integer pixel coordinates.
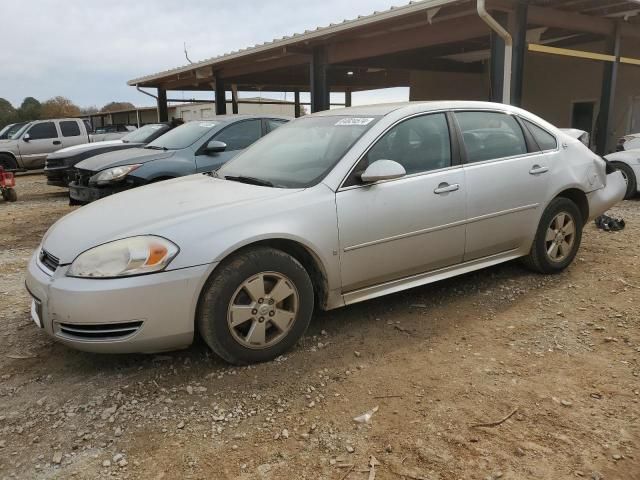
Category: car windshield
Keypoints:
(183, 136)
(18, 133)
(146, 133)
(298, 154)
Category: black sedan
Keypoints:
(59, 165)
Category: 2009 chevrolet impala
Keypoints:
(331, 209)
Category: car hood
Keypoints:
(85, 147)
(123, 157)
(182, 210)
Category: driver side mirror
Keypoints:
(26, 137)
(215, 146)
(382, 170)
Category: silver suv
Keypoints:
(30, 145)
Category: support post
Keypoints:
(497, 61)
(221, 97)
(347, 98)
(607, 96)
(163, 109)
(319, 83)
(234, 99)
(518, 27)
(296, 103)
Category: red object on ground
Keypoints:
(7, 179)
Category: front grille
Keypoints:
(54, 162)
(82, 177)
(49, 260)
(98, 331)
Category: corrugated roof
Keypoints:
(307, 35)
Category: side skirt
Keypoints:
(393, 286)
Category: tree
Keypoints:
(31, 109)
(115, 106)
(58, 107)
(7, 113)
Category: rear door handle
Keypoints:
(537, 170)
(57, 142)
(446, 188)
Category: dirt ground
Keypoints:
(561, 351)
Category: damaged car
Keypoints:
(628, 162)
(196, 146)
(334, 208)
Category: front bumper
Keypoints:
(58, 176)
(88, 194)
(143, 314)
(606, 197)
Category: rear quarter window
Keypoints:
(544, 139)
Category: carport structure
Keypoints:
(457, 49)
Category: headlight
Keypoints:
(114, 174)
(123, 258)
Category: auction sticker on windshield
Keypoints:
(355, 121)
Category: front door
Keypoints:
(410, 225)
(237, 136)
(43, 138)
(507, 180)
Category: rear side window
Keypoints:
(544, 139)
(272, 124)
(490, 135)
(70, 129)
(42, 131)
(240, 135)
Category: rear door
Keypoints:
(237, 136)
(43, 138)
(506, 177)
(72, 133)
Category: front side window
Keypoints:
(43, 131)
(490, 135)
(419, 144)
(301, 153)
(544, 139)
(69, 129)
(239, 136)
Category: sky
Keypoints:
(87, 50)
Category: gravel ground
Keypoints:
(561, 354)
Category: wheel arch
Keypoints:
(12, 155)
(307, 257)
(578, 197)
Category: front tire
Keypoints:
(629, 177)
(557, 239)
(8, 162)
(255, 306)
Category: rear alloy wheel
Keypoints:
(255, 306)
(629, 177)
(558, 237)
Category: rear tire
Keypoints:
(255, 306)
(630, 178)
(8, 162)
(557, 239)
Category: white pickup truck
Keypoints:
(30, 145)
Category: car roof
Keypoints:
(235, 117)
(382, 109)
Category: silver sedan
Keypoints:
(332, 209)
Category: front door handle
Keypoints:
(537, 170)
(57, 142)
(444, 187)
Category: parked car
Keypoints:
(628, 162)
(111, 132)
(628, 142)
(198, 146)
(332, 209)
(30, 145)
(9, 130)
(59, 165)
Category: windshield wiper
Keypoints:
(155, 147)
(249, 180)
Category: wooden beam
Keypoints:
(263, 65)
(449, 31)
(571, 53)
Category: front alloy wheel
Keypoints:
(255, 306)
